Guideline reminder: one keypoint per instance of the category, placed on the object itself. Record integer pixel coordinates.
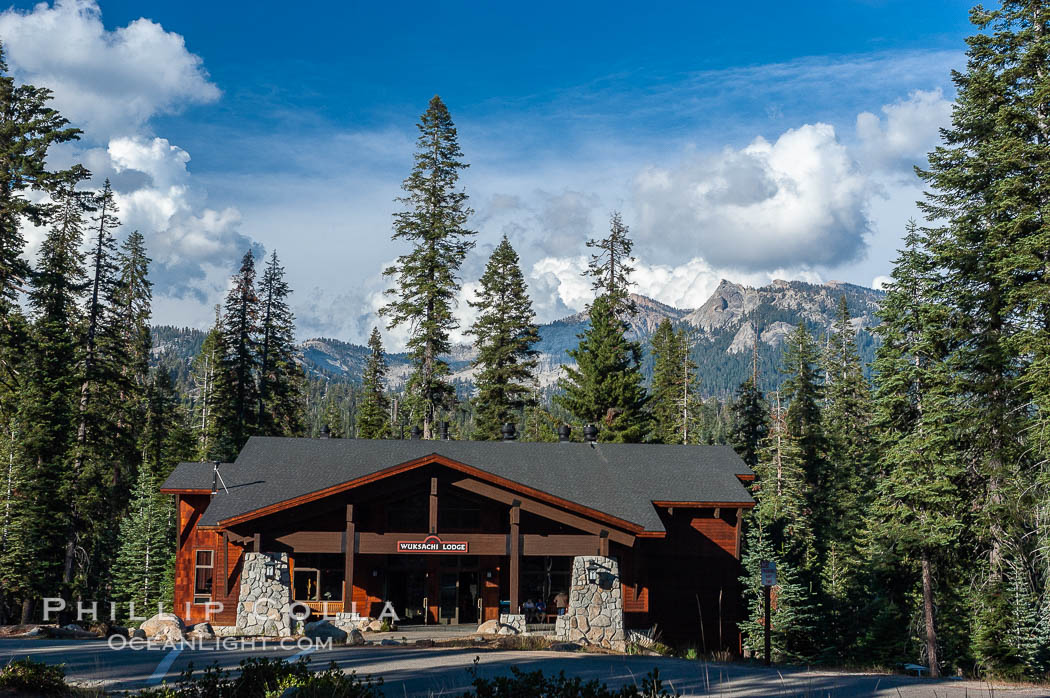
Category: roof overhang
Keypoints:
(432, 459)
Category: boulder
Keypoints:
(354, 638)
(489, 627)
(375, 626)
(138, 634)
(426, 642)
(322, 630)
(161, 621)
(201, 631)
(389, 642)
(565, 647)
(169, 633)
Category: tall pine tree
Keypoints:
(610, 268)
(373, 420)
(605, 387)
(281, 379)
(434, 223)
(503, 336)
(675, 402)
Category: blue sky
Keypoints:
(768, 141)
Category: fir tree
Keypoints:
(28, 129)
(503, 336)
(605, 388)
(611, 267)
(750, 416)
(146, 544)
(675, 400)
(916, 515)
(204, 371)
(985, 206)
(98, 433)
(434, 223)
(373, 421)
(281, 379)
(38, 483)
(236, 390)
(166, 437)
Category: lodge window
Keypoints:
(318, 577)
(203, 575)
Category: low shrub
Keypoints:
(266, 678)
(35, 678)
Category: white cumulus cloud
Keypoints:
(107, 82)
(799, 201)
(906, 132)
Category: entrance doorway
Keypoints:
(407, 588)
(459, 592)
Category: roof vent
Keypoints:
(416, 432)
(326, 433)
(508, 432)
(590, 433)
(444, 431)
(563, 433)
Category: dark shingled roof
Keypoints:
(621, 480)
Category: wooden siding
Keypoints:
(227, 561)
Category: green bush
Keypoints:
(266, 678)
(34, 677)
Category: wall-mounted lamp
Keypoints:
(592, 572)
(488, 574)
(270, 569)
(375, 573)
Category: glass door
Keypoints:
(448, 608)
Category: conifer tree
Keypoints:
(611, 267)
(605, 388)
(750, 416)
(236, 390)
(166, 438)
(503, 336)
(917, 511)
(434, 223)
(985, 205)
(147, 539)
(39, 487)
(29, 127)
(373, 420)
(675, 400)
(281, 379)
(204, 372)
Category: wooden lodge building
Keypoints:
(464, 531)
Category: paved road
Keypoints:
(437, 671)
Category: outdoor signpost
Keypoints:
(769, 580)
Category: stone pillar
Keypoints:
(264, 604)
(595, 612)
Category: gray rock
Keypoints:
(388, 642)
(489, 627)
(160, 622)
(354, 638)
(201, 631)
(138, 634)
(322, 630)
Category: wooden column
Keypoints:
(257, 542)
(515, 554)
(225, 563)
(349, 548)
(433, 505)
(603, 543)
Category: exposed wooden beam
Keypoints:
(349, 551)
(226, 563)
(257, 543)
(533, 545)
(603, 543)
(386, 543)
(515, 554)
(433, 505)
(540, 509)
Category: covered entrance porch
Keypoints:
(435, 543)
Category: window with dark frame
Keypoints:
(203, 575)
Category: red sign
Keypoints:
(430, 544)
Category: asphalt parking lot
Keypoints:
(409, 671)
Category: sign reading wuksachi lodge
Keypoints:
(430, 544)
